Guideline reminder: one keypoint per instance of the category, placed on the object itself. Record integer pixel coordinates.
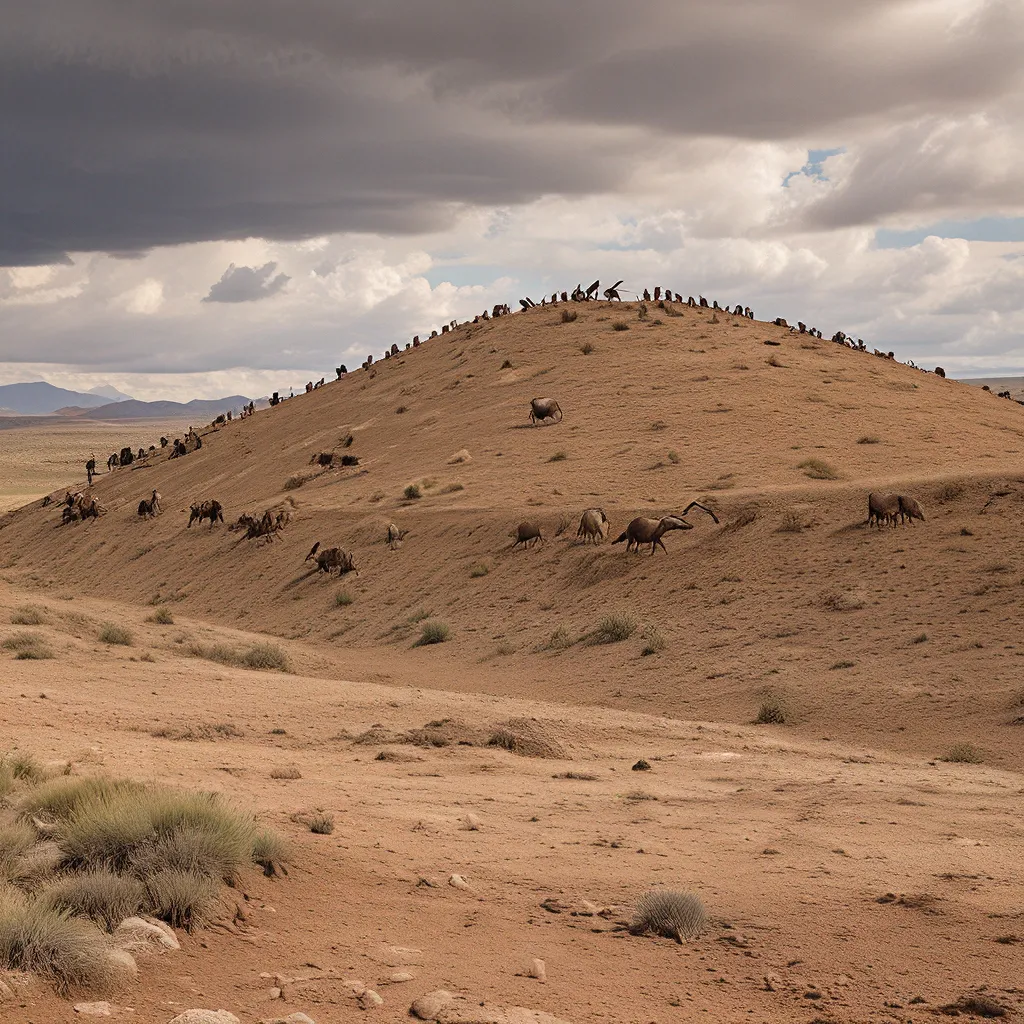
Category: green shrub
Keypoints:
(433, 632)
(412, 492)
(612, 629)
(24, 767)
(270, 851)
(342, 599)
(110, 633)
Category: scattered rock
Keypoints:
(93, 1009)
(471, 823)
(274, 993)
(772, 983)
(538, 969)
(458, 882)
(205, 1017)
(428, 1006)
(641, 766)
(138, 935)
(401, 976)
(370, 1000)
(292, 1018)
(462, 455)
(6, 992)
(123, 962)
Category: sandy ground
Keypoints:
(884, 647)
(38, 459)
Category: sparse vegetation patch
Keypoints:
(433, 632)
(964, 753)
(817, 469)
(28, 647)
(613, 629)
(110, 633)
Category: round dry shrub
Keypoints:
(671, 913)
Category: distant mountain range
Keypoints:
(198, 410)
(40, 398)
(104, 402)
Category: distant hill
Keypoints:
(198, 409)
(39, 398)
(109, 392)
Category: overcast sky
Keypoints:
(203, 198)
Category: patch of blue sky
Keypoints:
(814, 166)
(983, 229)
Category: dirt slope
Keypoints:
(902, 638)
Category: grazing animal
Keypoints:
(150, 508)
(334, 558)
(395, 536)
(543, 409)
(940, 371)
(910, 508)
(212, 510)
(90, 468)
(350, 460)
(593, 525)
(325, 459)
(525, 534)
(883, 508)
(650, 531)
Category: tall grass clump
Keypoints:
(28, 615)
(433, 632)
(101, 895)
(612, 629)
(162, 617)
(772, 711)
(670, 913)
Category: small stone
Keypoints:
(429, 1006)
(458, 882)
(93, 1009)
(205, 1017)
(842, 981)
(641, 766)
(401, 976)
(471, 823)
(6, 992)
(370, 1000)
(292, 1018)
(123, 962)
(274, 993)
(538, 970)
(772, 983)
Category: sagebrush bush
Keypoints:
(433, 632)
(265, 656)
(111, 633)
(163, 617)
(28, 647)
(964, 753)
(620, 325)
(670, 913)
(28, 615)
(342, 599)
(412, 492)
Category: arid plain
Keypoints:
(851, 871)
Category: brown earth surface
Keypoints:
(884, 648)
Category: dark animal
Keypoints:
(525, 534)
(940, 371)
(126, 458)
(334, 558)
(325, 459)
(212, 510)
(149, 508)
(650, 531)
(883, 508)
(910, 509)
(312, 551)
(593, 525)
(543, 409)
(90, 468)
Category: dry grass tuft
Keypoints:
(964, 753)
(433, 632)
(29, 615)
(111, 633)
(569, 316)
(655, 642)
(207, 731)
(162, 617)
(817, 469)
(587, 348)
(559, 456)
(262, 656)
(670, 913)
(843, 601)
(620, 325)
(28, 647)
(526, 738)
(294, 482)
(321, 823)
(613, 629)
(101, 895)
(412, 492)
(772, 711)
(288, 773)
(791, 522)
(869, 439)
(342, 599)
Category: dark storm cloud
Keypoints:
(246, 284)
(127, 126)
